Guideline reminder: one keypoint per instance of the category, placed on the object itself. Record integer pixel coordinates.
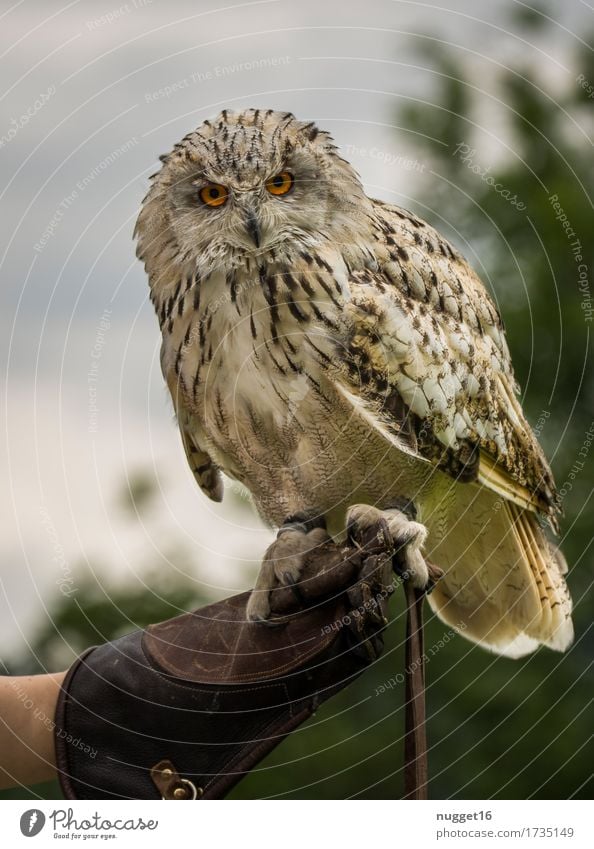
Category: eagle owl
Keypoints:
(336, 355)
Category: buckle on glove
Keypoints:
(171, 785)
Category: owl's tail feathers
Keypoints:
(553, 627)
(506, 590)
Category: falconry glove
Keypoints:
(185, 708)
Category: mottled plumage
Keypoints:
(327, 349)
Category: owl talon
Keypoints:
(407, 538)
(270, 622)
(258, 607)
(283, 564)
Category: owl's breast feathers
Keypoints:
(245, 354)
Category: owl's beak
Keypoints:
(252, 225)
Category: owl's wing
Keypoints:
(429, 360)
(207, 474)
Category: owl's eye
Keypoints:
(280, 184)
(213, 194)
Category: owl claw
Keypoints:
(282, 565)
(407, 538)
(267, 621)
(258, 606)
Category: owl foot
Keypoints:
(407, 537)
(283, 562)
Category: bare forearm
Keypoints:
(27, 708)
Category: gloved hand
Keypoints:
(185, 708)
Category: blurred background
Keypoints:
(476, 115)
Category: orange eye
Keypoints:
(280, 184)
(213, 194)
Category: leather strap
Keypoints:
(415, 740)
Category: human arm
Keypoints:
(27, 709)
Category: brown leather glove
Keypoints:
(187, 707)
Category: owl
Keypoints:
(339, 358)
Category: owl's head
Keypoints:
(248, 184)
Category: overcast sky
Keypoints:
(91, 93)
